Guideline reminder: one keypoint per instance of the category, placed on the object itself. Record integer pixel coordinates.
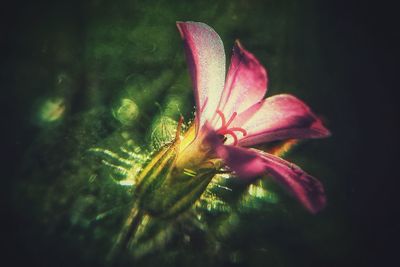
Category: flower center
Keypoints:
(225, 130)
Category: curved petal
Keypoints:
(206, 59)
(279, 117)
(250, 163)
(246, 82)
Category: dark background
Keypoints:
(341, 57)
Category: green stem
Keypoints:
(127, 233)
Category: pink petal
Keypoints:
(251, 163)
(279, 117)
(206, 59)
(246, 82)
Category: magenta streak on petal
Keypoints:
(246, 82)
(251, 163)
(279, 117)
(308, 190)
(246, 115)
(206, 59)
(204, 105)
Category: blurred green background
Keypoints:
(101, 73)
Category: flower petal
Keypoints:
(206, 59)
(246, 82)
(251, 163)
(279, 117)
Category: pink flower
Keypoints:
(232, 115)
